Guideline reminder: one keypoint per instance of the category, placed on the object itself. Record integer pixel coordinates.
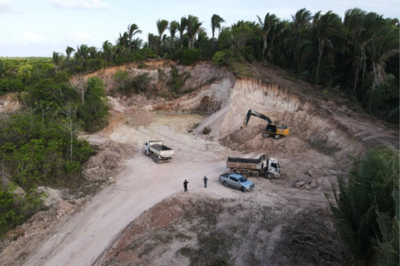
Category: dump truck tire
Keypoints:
(270, 176)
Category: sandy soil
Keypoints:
(143, 184)
(139, 187)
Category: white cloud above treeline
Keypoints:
(80, 4)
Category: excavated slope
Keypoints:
(315, 121)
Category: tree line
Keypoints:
(358, 54)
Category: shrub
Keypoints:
(190, 56)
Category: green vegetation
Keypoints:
(38, 144)
(130, 85)
(367, 209)
(177, 79)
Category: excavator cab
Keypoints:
(271, 129)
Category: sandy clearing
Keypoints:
(143, 184)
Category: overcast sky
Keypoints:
(39, 27)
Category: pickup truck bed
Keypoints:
(160, 147)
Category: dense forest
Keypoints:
(357, 54)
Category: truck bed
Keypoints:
(225, 175)
(160, 147)
(245, 163)
(246, 160)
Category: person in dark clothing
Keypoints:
(205, 181)
(185, 185)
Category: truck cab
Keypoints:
(272, 168)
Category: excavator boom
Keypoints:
(256, 114)
(271, 128)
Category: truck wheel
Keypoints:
(270, 176)
(277, 136)
(245, 174)
(265, 135)
(243, 189)
(225, 184)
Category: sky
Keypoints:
(41, 27)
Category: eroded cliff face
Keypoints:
(319, 123)
(225, 100)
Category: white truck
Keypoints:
(158, 151)
(269, 168)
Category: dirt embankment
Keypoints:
(282, 222)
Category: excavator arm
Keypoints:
(271, 128)
(256, 114)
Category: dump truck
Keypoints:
(269, 168)
(236, 181)
(159, 152)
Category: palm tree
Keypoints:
(173, 29)
(108, 51)
(216, 21)
(136, 44)
(182, 28)
(361, 28)
(82, 52)
(381, 48)
(92, 52)
(152, 41)
(123, 40)
(325, 27)
(301, 23)
(68, 51)
(193, 28)
(281, 28)
(161, 27)
(133, 29)
(56, 60)
(372, 189)
(266, 26)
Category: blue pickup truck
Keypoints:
(236, 181)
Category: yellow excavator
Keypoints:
(271, 129)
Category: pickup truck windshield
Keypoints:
(242, 179)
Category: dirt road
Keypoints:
(143, 184)
(140, 186)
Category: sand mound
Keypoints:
(109, 162)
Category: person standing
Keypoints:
(205, 181)
(185, 185)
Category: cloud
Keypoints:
(5, 6)
(80, 4)
(31, 36)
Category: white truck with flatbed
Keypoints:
(269, 168)
(159, 152)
